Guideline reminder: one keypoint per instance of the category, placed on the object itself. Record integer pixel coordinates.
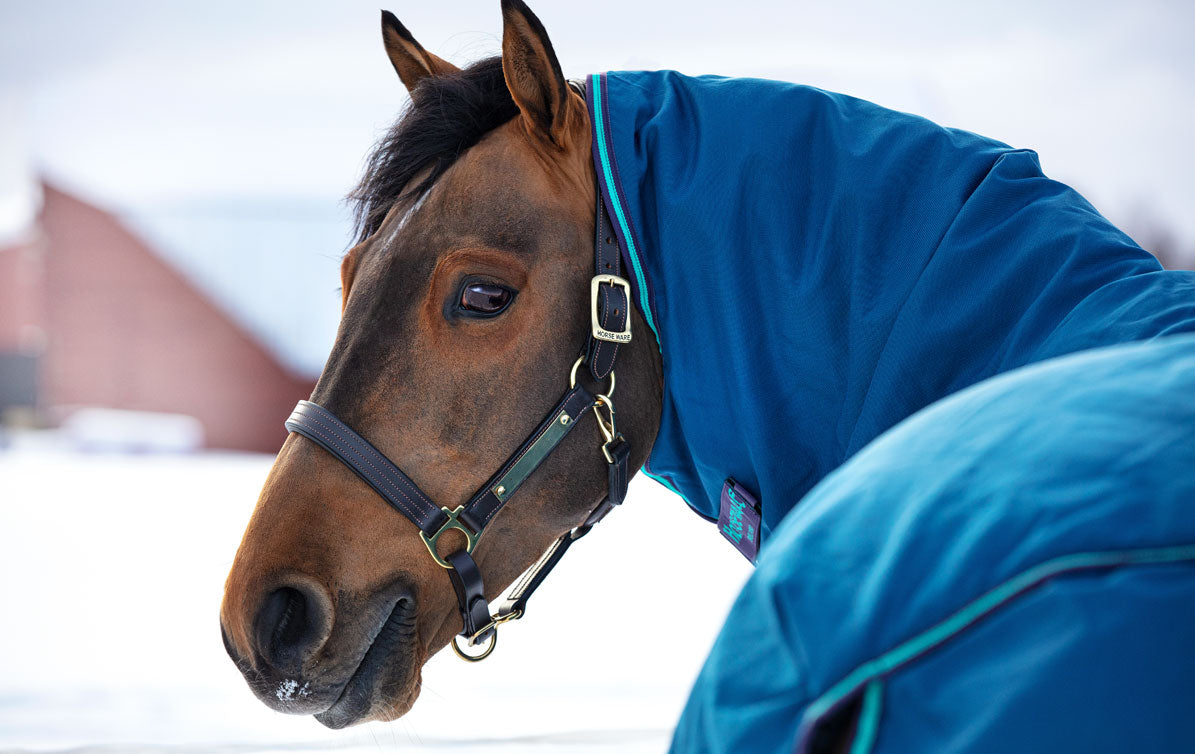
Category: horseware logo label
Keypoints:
(734, 527)
(738, 519)
(619, 337)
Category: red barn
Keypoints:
(91, 316)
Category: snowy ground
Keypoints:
(111, 571)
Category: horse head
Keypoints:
(464, 302)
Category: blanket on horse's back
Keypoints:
(815, 269)
(1009, 570)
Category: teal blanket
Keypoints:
(815, 269)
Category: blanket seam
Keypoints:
(975, 611)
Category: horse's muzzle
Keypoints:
(307, 658)
(389, 662)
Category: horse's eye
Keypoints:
(485, 299)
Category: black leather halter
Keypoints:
(610, 327)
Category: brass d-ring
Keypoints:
(475, 658)
(572, 375)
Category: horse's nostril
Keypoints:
(288, 628)
(286, 610)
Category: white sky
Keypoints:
(141, 102)
(226, 132)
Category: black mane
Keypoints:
(447, 115)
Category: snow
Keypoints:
(290, 689)
(111, 573)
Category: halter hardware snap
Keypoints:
(492, 628)
(453, 522)
(606, 426)
(495, 621)
(599, 332)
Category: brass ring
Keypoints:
(572, 376)
(474, 658)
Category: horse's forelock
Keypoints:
(447, 115)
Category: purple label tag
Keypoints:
(738, 519)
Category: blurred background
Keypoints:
(171, 224)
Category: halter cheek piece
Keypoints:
(610, 327)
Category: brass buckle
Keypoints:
(598, 331)
(453, 522)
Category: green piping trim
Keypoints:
(868, 726)
(599, 131)
(987, 602)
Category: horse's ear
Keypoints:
(533, 74)
(348, 271)
(408, 57)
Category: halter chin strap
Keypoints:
(610, 328)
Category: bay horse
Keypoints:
(518, 233)
(477, 215)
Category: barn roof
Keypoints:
(273, 265)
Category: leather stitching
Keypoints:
(320, 426)
(527, 447)
(362, 453)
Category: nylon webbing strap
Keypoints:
(618, 478)
(516, 600)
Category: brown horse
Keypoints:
(826, 268)
(463, 305)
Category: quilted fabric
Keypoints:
(815, 269)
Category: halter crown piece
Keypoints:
(610, 328)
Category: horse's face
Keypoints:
(462, 316)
